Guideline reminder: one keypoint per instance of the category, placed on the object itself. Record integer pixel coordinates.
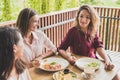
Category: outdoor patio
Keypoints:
(56, 25)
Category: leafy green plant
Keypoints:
(118, 2)
(91, 2)
(6, 11)
(9, 9)
(58, 4)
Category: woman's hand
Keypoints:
(108, 63)
(35, 63)
(72, 59)
(108, 66)
(68, 56)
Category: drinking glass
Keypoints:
(88, 73)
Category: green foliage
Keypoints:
(43, 6)
(110, 3)
(15, 8)
(33, 4)
(47, 6)
(58, 4)
(9, 9)
(1, 10)
(6, 14)
(118, 2)
(91, 2)
(73, 3)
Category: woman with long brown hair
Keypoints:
(12, 67)
(83, 38)
(35, 40)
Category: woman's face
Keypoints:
(84, 19)
(18, 48)
(33, 23)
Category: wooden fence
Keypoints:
(110, 27)
(56, 25)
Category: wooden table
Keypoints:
(101, 74)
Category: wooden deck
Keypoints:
(56, 25)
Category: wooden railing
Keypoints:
(110, 27)
(56, 25)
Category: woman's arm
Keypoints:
(108, 64)
(67, 56)
(47, 54)
(36, 62)
(102, 54)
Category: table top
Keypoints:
(100, 74)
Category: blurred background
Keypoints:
(9, 9)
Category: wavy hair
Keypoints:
(94, 19)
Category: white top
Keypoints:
(39, 43)
(24, 76)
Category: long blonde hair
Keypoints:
(94, 19)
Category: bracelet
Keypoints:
(56, 53)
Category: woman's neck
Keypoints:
(29, 37)
(14, 74)
(84, 30)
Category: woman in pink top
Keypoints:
(83, 38)
(35, 41)
(12, 67)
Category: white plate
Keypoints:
(82, 62)
(64, 63)
(61, 76)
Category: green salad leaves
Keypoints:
(93, 64)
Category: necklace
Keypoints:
(29, 39)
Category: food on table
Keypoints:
(89, 70)
(91, 67)
(52, 66)
(64, 75)
(93, 64)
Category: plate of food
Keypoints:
(65, 75)
(53, 64)
(88, 62)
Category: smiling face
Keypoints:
(84, 19)
(33, 23)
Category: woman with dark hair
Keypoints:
(12, 67)
(35, 41)
(83, 38)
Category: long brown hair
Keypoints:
(23, 20)
(9, 37)
(94, 19)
